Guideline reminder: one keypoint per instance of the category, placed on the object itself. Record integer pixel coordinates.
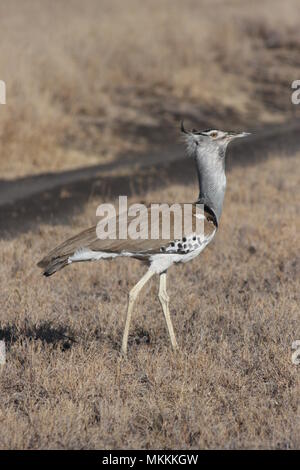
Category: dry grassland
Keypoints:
(235, 311)
(87, 81)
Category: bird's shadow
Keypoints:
(59, 336)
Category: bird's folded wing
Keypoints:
(153, 238)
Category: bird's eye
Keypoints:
(213, 134)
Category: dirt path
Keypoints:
(54, 197)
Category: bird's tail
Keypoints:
(51, 265)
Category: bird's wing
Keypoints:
(146, 245)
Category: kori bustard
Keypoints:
(208, 148)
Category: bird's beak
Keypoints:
(237, 135)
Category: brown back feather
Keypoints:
(58, 258)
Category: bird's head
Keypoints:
(209, 142)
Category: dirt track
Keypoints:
(54, 197)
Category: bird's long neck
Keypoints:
(212, 181)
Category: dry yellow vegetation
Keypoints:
(90, 83)
(235, 311)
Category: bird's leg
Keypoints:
(164, 300)
(133, 294)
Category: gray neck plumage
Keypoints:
(212, 180)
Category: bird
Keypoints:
(208, 149)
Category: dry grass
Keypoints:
(235, 311)
(86, 82)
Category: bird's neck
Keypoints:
(212, 182)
